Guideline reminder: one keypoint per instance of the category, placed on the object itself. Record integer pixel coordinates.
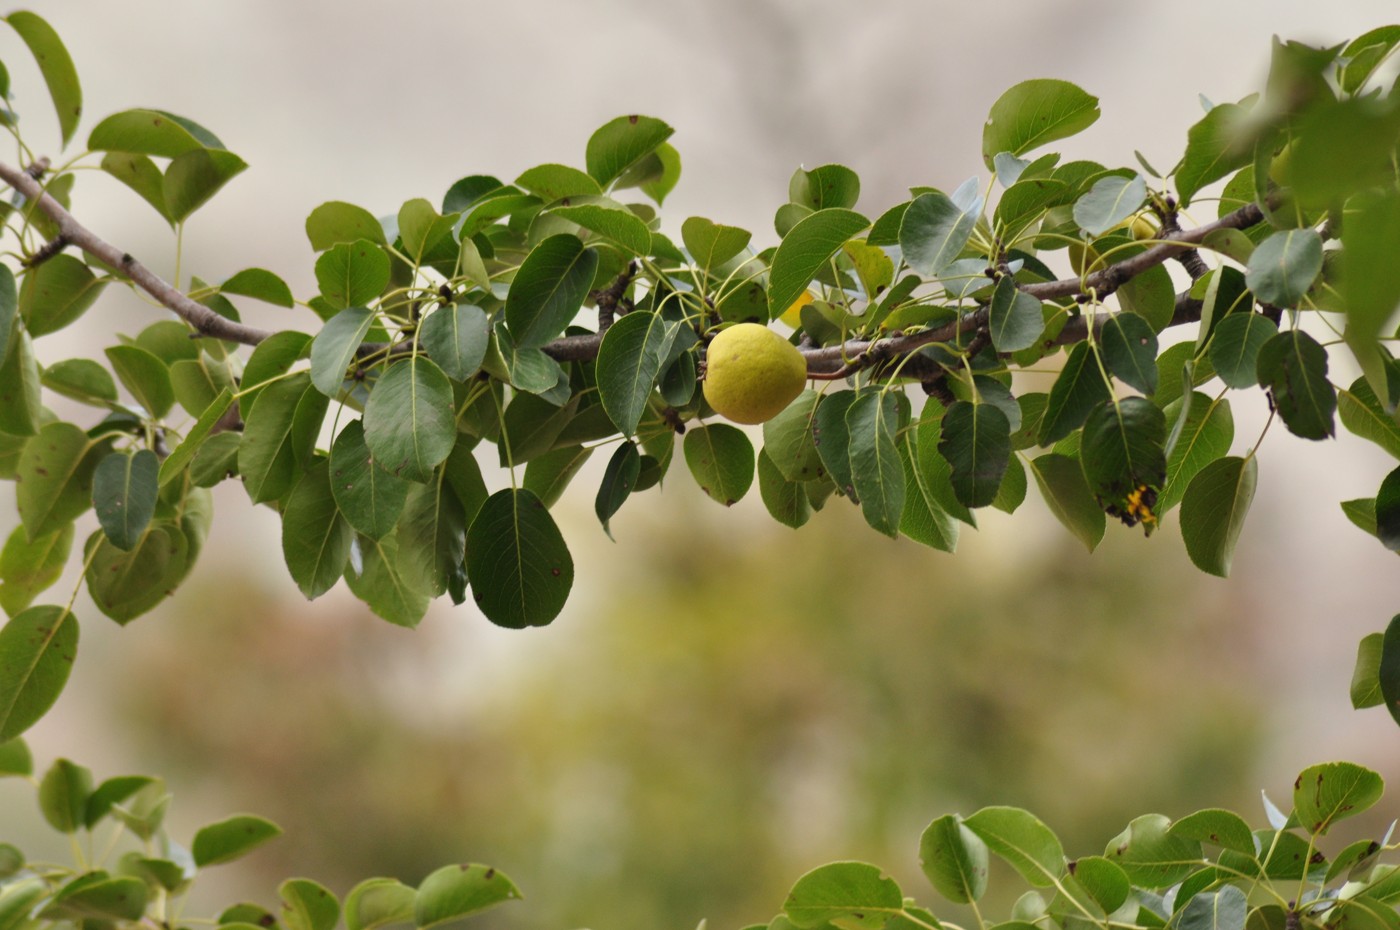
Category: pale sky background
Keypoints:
(377, 103)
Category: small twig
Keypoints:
(47, 251)
(609, 298)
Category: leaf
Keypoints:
(711, 244)
(1034, 113)
(1015, 319)
(876, 471)
(1123, 459)
(1129, 348)
(609, 219)
(786, 501)
(1213, 511)
(1366, 676)
(789, 440)
(378, 902)
(381, 585)
(855, 894)
(721, 459)
(456, 338)
(1235, 345)
(1152, 856)
(369, 497)
(1324, 794)
(231, 839)
(548, 290)
(195, 177)
(277, 436)
(977, 444)
(1222, 828)
(934, 231)
(621, 143)
(457, 891)
(805, 251)
(15, 758)
(1152, 296)
(1293, 366)
(1017, 836)
(1205, 436)
(56, 294)
(410, 425)
(422, 229)
(27, 568)
(81, 379)
(1109, 202)
(517, 562)
(549, 475)
(335, 346)
(37, 649)
(54, 476)
(1363, 415)
(96, 897)
(110, 793)
(306, 905)
(270, 359)
(55, 65)
(150, 132)
(175, 462)
(1284, 266)
(336, 221)
(124, 492)
(315, 536)
(1078, 389)
(1387, 510)
(1062, 484)
(21, 404)
(352, 274)
(431, 538)
(555, 182)
(924, 519)
(1215, 146)
(1389, 672)
(259, 284)
(1370, 280)
(145, 376)
(125, 585)
(629, 361)
(1225, 909)
(619, 479)
(954, 859)
(63, 795)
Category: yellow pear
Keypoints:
(752, 373)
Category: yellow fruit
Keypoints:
(1139, 226)
(752, 373)
(1143, 228)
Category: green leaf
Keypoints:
(856, 895)
(1213, 511)
(1129, 348)
(1066, 492)
(954, 859)
(619, 479)
(1025, 202)
(1152, 856)
(162, 873)
(824, 186)
(111, 792)
(1284, 266)
(21, 404)
(1215, 146)
(280, 432)
(711, 244)
(1017, 836)
(629, 361)
(125, 585)
(381, 585)
(56, 66)
(721, 459)
(194, 177)
(517, 561)
(410, 425)
(833, 441)
(145, 376)
(1364, 54)
(1152, 296)
(875, 468)
(15, 758)
(259, 284)
(307, 905)
(1205, 436)
(316, 538)
(925, 520)
(175, 463)
(1078, 389)
(1235, 345)
(1034, 113)
(1370, 280)
(1364, 416)
(81, 379)
(336, 221)
(37, 649)
(1387, 511)
(1366, 676)
(56, 294)
(805, 251)
(1225, 909)
(457, 891)
(548, 290)
(1015, 321)
(335, 346)
(1123, 459)
(456, 337)
(352, 274)
(27, 568)
(1293, 366)
(231, 839)
(63, 795)
(622, 143)
(789, 440)
(96, 897)
(124, 492)
(369, 497)
(55, 477)
(1218, 827)
(9, 308)
(1109, 202)
(422, 229)
(1324, 794)
(662, 181)
(935, 229)
(270, 359)
(150, 132)
(378, 902)
(786, 501)
(977, 444)
(1389, 673)
(609, 219)
(554, 182)
(431, 537)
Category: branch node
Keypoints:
(47, 251)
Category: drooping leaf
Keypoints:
(1389, 669)
(184, 453)
(977, 444)
(231, 839)
(1293, 366)
(1152, 296)
(454, 892)
(63, 795)
(316, 538)
(721, 459)
(1366, 675)
(789, 440)
(517, 562)
(456, 338)
(1129, 349)
(278, 435)
(55, 65)
(629, 361)
(28, 568)
(619, 479)
(1284, 266)
(1204, 436)
(1213, 511)
(195, 177)
(954, 859)
(1027, 844)
(876, 472)
(56, 294)
(1364, 416)
(369, 497)
(548, 290)
(621, 143)
(805, 251)
(21, 403)
(431, 537)
(335, 346)
(381, 585)
(1123, 458)
(786, 501)
(1034, 113)
(1235, 345)
(1066, 492)
(1015, 319)
(934, 231)
(124, 492)
(37, 649)
(1387, 511)
(1109, 202)
(1078, 389)
(125, 585)
(857, 895)
(409, 422)
(925, 520)
(54, 473)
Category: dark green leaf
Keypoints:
(976, 443)
(833, 442)
(145, 376)
(1213, 511)
(335, 346)
(954, 859)
(316, 538)
(1225, 909)
(721, 459)
(279, 435)
(855, 894)
(260, 284)
(517, 562)
(1332, 791)
(1109, 202)
(1293, 366)
(1034, 113)
(1129, 349)
(924, 519)
(548, 290)
(21, 404)
(1387, 510)
(55, 477)
(1366, 676)
(175, 463)
(55, 65)
(1205, 436)
(231, 839)
(1015, 321)
(124, 492)
(352, 274)
(1066, 491)
(125, 585)
(1078, 389)
(1023, 841)
(876, 471)
(1215, 146)
(620, 477)
(431, 537)
(270, 359)
(1389, 673)
(194, 177)
(457, 891)
(629, 361)
(37, 649)
(1235, 345)
(935, 229)
(381, 585)
(57, 293)
(1123, 459)
(1152, 296)
(409, 421)
(1284, 266)
(336, 221)
(789, 440)
(610, 220)
(805, 251)
(787, 501)
(63, 795)
(1363, 415)
(369, 497)
(456, 337)
(622, 143)
(28, 568)
(96, 897)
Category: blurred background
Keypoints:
(725, 703)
